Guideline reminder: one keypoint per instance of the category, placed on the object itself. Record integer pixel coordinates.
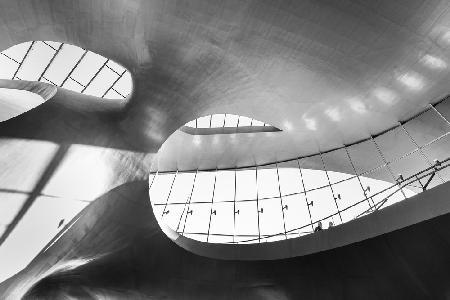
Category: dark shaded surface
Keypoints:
(142, 263)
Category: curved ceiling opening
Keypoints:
(287, 199)
(66, 66)
(226, 124)
(265, 204)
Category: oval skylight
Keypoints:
(66, 66)
(263, 204)
(226, 123)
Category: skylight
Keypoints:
(263, 204)
(226, 124)
(224, 120)
(66, 66)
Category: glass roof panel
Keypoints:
(36, 62)
(68, 66)
(254, 212)
(63, 63)
(17, 52)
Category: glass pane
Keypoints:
(427, 127)
(111, 94)
(197, 237)
(18, 52)
(314, 178)
(296, 213)
(354, 211)
(222, 222)
(217, 120)
(7, 67)
(116, 67)
(87, 68)
(393, 195)
(321, 203)
(124, 84)
(101, 83)
(182, 187)
(160, 188)
(174, 215)
(63, 63)
(231, 120)
(394, 144)
(439, 150)
(244, 121)
(338, 165)
(246, 218)
(348, 193)
(365, 156)
(377, 187)
(444, 109)
(257, 123)
(36, 61)
(267, 182)
(246, 184)
(273, 238)
(312, 172)
(225, 182)
(221, 239)
(190, 124)
(203, 122)
(73, 86)
(197, 220)
(204, 187)
(271, 217)
(290, 178)
(53, 45)
(409, 166)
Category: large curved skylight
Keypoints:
(288, 199)
(263, 203)
(66, 66)
(226, 123)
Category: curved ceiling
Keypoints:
(326, 73)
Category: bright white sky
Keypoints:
(197, 203)
(224, 120)
(68, 66)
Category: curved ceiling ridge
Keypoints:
(310, 155)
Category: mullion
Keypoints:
(51, 61)
(118, 92)
(95, 76)
(170, 191)
(359, 179)
(114, 83)
(257, 204)
(10, 58)
(386, 162)
(281, 201)
(73, 69)
(420, 150)
(23, 60)
(306, 195)
(188, 205)
(212, 202)
(329, 184)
